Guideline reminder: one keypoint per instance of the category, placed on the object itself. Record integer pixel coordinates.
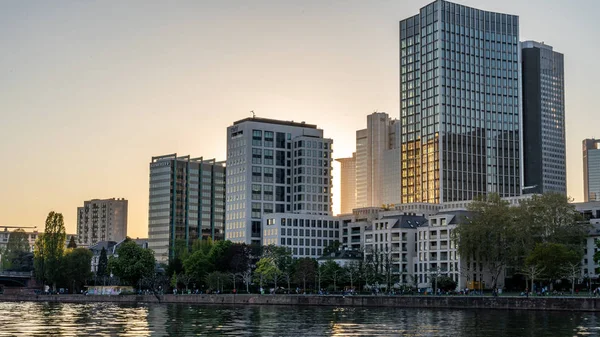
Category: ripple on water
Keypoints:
(107, 319)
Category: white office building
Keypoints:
(274, 166)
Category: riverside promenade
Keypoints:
(591, 304)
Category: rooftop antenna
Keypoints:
(253, 114)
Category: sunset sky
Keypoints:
(91, 90)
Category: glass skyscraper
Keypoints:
(460, 104)
(543, 119)
(187, 202)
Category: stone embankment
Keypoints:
(447, 302)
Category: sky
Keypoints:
(91, 90)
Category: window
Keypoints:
(256, 138)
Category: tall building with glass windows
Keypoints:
(274, 166)
(591, 170)
(347, 184)
(373, 145)
(187, 202)
(460, 104)
(545, 168)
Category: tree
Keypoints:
(72, 244)
(21, 261)
(16, 247)
(132, 263)
(572, 271)
(352, 270)
(198, 265)
(217, 280)
(76, 266)
(533, 272)
(305, 270)
(446, 283)
(332, 271)
(489, 236)
(174, 281)
(185, 279)
(553, 258)
(49, 249)
(266, 269)
(102, 264)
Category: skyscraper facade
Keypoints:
(187, 202)
(373, 145)
(101, 220)
(347, 184)
(545, 168)
(591, 170)
(274, 166)
(460, 104)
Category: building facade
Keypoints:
(460, 104)
(347, 184)
(101, 220)
(274, 166)
(591, 170)
(187, 202)
(545, 168)
(306, 235)
(375, 147)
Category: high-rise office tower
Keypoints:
(274, 166)
(591, 170)
(373, 146)
(545, 168)
(101, 220)
(459, 104)
(187, 202)
(347, 184)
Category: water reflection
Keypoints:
(105, 319)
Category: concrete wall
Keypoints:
(455, 302)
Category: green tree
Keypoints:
(49, 249)
(18, 243)
(132, 263)
(332, 272)
(217, 280)
(174, 281)
(72, 244)
(489, 236)
(331, 248)
(446, 283)
(305, 270)
(76, 267)
(102, 264)
(266, 270)
(553, 259)
(198, 265)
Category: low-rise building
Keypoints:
(307, 235)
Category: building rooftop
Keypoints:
(343, 255)
(275, 121)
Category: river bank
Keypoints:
(439, 302)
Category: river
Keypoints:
(107, 319)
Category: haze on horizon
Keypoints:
(90, 91)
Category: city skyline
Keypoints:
(87, 106)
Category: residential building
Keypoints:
(591, 212)
(545, 168)
(307, 235)
(343, 257)
(101, 220)
(460, 104)
(32, 235)
(274, 166)
(591, 170)
(347, 184)
(377, 162)
(187, 202)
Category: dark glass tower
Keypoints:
(459, 104)
(543, 119)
